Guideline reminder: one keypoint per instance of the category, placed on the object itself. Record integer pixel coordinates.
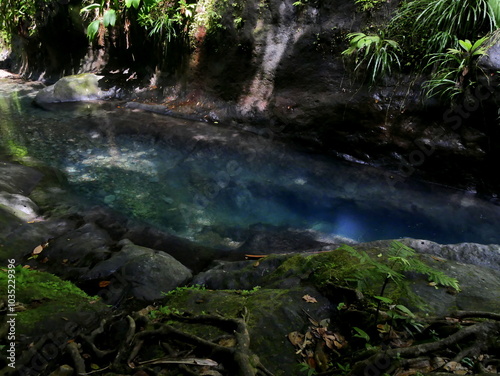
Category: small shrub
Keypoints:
(373, 54)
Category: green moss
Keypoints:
(45, 296)
(320, 269)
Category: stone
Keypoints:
(475, 266)
(491, 61)
(18, 179)
(20, 206)
(83, 247)
(141, 272)
(81, 87)
(273, 313)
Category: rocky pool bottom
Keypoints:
(125, 268)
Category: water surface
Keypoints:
(208, 182)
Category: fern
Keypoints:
(401, 259)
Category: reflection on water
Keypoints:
(204, 181)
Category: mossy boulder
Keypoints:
(45, 303)
(272, 315)
(478, 279)
(81, 87)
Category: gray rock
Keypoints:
(20, 206)
(18, 179)
(84, 246)
(491, 61)
(143, 272)
(81, 87)
(466, 253)
(475, 266)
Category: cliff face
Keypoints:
(277, 66)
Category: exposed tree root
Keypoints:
(238, 358)
(384, 361)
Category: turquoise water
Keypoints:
(207, 182)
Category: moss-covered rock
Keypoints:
(273, 314)
(81, 87)
(45, 303)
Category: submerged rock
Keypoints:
(81, 87)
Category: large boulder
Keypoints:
(81, 87)
(475, 266)
(141, 272)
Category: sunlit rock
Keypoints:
(20, 206)
(81, 87)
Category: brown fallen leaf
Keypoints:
(104, 283)
(296, 338)
(309, 299)
(38, 249)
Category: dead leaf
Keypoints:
(334, 341)
(296, 338)
(45, 260)
(104, 283)
(309, 299)
(37, 250)
(438, 259)
(228, 342)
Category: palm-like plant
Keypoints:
(453, 70)
(374, 54)
(447, 21)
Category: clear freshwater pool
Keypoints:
(204, 182)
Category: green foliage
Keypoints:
(374, 54)
(250, 292)
(400, 259)
(184, 288)
(22, 15)
(164, 311)
(306, 369)
(454, 70)
(360, 333)
(366, 5)
(443, 21)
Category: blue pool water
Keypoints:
(204, 182)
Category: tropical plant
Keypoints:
(444, 21)
(103, 14)
(454, 70)
(373, 54)
(366, 5)
(401, 259)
